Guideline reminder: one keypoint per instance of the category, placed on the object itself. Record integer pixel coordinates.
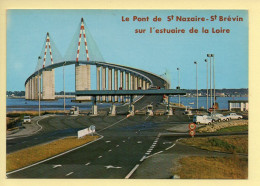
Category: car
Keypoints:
(27, 119)
(234, 116)
(202, 119)
(219, 117)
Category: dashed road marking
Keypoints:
(139, 142)
(109, 150)
(55, 166)
(117, 145)
(108, 141)
(124, 141)
(87, 163)
(112, 167)
(69, 173)
(100, 156)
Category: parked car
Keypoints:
(202, 119)
(218, 117)
(234, 116)
(27, 119)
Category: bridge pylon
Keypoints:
(82, 72)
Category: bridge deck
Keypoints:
(130, 92)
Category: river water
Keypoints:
(202, 101)
(22, 104)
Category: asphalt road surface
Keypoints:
(125, 142)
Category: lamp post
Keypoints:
(197, 83)
(39, 87)
(209, 55)
(179, 86)
(207, 84)
(212, 55)
(64, 104)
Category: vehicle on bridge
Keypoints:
(74, 110)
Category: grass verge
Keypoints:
(231, 144)
(234, 129)
(212, 168)
(37, 153)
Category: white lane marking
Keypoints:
(110, 150)
(69, 173)
(87, 163)
(100, 156)
(55, 166)
(124, 141)
(167, 142)
(128, 138)
(108, 141)
(147, 117)
(170, 147)
(153, 154)
(112, 167)
(112, 124)
(131, 172)
(147, 153)
(117, 145)
(142, 159)
(139, 142)
(54, 156)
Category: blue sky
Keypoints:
(118, 43)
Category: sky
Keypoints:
(118, 43)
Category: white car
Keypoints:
(234, 116)
(27, 119)
(220, 117)
(202, 120)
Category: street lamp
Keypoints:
(209, 55)
(179, 86)
(207, 84)
(197, 83)
(64, 104)
(212, 55)
(39, 87)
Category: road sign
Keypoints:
(192, 126)
(92, 127)
(192, 132)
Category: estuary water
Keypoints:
(22, 104)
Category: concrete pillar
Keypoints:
(147, 85)
(131, 82)
(112, 111)
(122, 83)
(104, 80)
(27, 90)
(33, 86)
(36, 88)
(140, 82)
(116, 83)
(127, 82)
(30, 87)
(82, 80)
(109, 83)
(48, 85)
(144, 85)
(135, 83)
(98, 81)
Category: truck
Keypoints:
(234, 116)
(202, 119)
(74, 110)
